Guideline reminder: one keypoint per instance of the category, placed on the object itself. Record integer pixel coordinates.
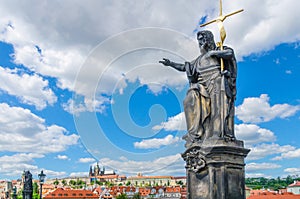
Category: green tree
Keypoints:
(72, 183)
(56, 182)
(122, 196)
(289, 180)
(19, 194)
(128, 183)
(179, 182)
(64, 182)
(136, 196)
(35, 189)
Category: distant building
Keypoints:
(103, 175)
(143, 181)
(268, 194)
(5, 189)
(172, 193)
(294, 188)
(61, 193)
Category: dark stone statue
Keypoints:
(214, 158)
(209, 103)
(28, 189)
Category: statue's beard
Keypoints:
(204, 47)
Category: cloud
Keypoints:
(254, 30)
(257, 175)
(261, 166)
(30, 89)
(79, 174)
(263, 150)
(176, 123)
(288, 155)
(59, 49)
(292, 171)
(86, 160)
(256, 110)
(253, 134)
(14, 165)
(156, 143)
(76, 106)
(62, 157)
(30, 133)
(288, 72)
(167, 165)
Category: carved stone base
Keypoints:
(215, 170)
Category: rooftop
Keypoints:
(71, 193)
(295, 184)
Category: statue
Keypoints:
(28, 189)
(209, 103)
(214, 157)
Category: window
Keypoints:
(59, 194)
(53, 194)
(65, 194)
(80, 194)
(74, 194)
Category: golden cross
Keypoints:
(219, 20)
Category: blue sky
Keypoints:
(80, 83)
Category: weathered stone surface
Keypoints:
(222, 177)
(27, 189)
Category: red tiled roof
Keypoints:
(71, 193)
(144, 191)
(295, 184)
(173, 189)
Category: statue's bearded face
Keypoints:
(206, 40)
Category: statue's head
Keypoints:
(206, 40)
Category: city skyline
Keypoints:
(80, 83)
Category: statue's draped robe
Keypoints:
(205, 101)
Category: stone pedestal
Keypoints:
(215, 169)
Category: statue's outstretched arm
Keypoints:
(177, 66)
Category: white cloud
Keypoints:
(264, 150)
(53, 174)
(257, 175)
(256, 110)
(288, 155)
(30, 89)
(59, 48)
(176, 123)
(86, 160)
(168, 165)
(156, 143)
(62, 157)
(30, 133)
(288, 72)
(14, 165)
(76, 107)
(261, 166)
(79, 174)
(253, 134)
(292, 171)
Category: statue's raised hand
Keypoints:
(165, 62)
